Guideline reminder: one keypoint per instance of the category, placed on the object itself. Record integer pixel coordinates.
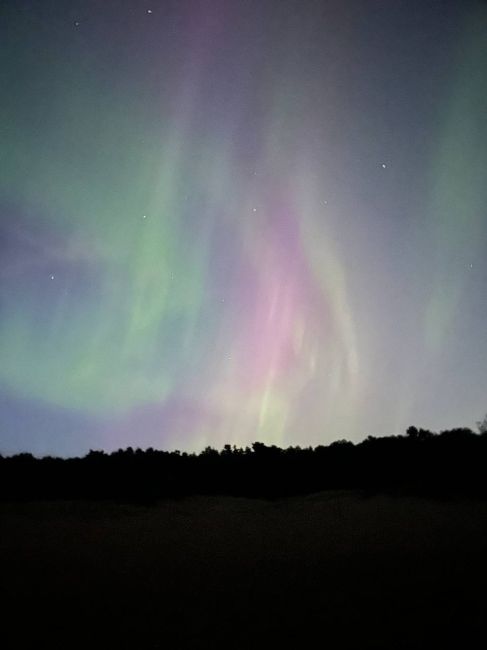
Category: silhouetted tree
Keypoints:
(452, 461)
(412, 433)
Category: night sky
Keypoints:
(240, 220)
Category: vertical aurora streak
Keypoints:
(222, 221)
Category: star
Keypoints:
(76, 23)
(144, 216)
(383, 165)
(52, 277)
(254, 209)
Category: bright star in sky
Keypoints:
(361, 318)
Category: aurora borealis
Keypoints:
(231, 220)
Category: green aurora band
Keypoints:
(181, 257)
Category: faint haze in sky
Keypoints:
(229, 221)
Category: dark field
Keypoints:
(332, 570)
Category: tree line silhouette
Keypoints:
(421, 462)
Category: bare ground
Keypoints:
(332, 570)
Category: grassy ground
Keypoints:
(333, 570)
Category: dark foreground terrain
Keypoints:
(330, 570)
